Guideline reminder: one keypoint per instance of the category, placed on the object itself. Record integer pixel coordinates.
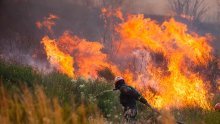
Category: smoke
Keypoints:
(19, 56)
(148, 7)
(20, 38)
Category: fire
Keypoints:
(172, 77)
(160, 60)
(47, 23)
(188, 17)
(60, 60)
(87, 55)
(113, 13)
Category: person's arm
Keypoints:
(144, 101)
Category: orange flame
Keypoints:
(112, 13)
(47, 23)
(166, 57)
(188, 17)
(174, 81)
(60, 60)
(87, 55)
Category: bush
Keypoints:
(13, 74)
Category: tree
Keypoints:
(110, 7)
(195, 9)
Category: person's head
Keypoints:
(119, 81)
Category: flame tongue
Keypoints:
(87, 55)
(60, 60)
(47, 23)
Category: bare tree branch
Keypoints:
(196, 9)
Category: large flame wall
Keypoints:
(175, 82)
(166, 55)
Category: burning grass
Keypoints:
(57, 98)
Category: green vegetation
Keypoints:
(30, 97)
(13, 74)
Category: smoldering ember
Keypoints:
(110, 61)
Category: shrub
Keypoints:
(13, 74)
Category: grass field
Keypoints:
(27, 96)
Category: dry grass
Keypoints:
(36, 108)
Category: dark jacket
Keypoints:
(129, 96)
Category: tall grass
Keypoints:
(86, 90)
(30, 97)
(30, 107)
